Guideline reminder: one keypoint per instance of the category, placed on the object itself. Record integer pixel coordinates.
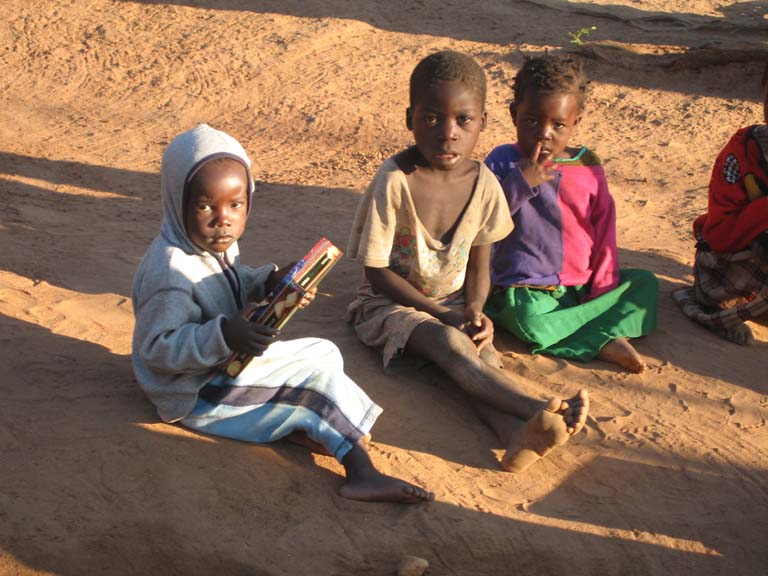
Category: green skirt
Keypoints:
(557, 322)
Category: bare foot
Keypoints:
(546, 430)
(373, 486)
(740, 334)
(551, 427)
(575, 411)
(620, 351)
(366, 483)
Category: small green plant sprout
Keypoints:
(578, 37)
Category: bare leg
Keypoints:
(452, 351)
(366, 483)
(536, 439)
(620, 351)
(548, 429)
(300, 437)
(489, 355)
(530, 427)
(529, 441)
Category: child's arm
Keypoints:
(737, 211)
(476, 289)
(257, 280)
(733, 223)
(509, 166)
(604, 258)
(477, 285)
(171, 336)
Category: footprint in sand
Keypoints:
(744, 413)
(549, 364)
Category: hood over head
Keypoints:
(183, 157)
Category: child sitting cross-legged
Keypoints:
(731, 266)
(423, 232)
(557, 282)
(190, 299)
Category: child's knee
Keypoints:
(325, 349)
(456, 343)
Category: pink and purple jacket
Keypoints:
(565, 230)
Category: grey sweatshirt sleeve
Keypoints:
(172, 338)
(255, 280)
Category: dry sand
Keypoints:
(669, 476)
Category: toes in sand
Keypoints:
(549, 428)
(377, 487)
(740, 334)
(620, 351)
(575, 411)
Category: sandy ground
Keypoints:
(669, 476)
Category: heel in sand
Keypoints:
(545, 431)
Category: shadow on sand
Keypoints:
(92, 485)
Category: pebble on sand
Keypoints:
(412, 566)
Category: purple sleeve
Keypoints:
(503, 162)
(497, 161)
(517, 190)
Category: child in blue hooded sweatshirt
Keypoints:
(190, 300)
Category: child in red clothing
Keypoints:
(731, 267)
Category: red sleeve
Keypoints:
(732, 220)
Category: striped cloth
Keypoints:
(729, 287)
(297, 385)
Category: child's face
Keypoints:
(217, 208)
(446, 122)
(546, 118)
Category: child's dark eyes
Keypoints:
(208, 208)
(433, 120)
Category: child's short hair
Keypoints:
(552, 74)
(447, 66)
